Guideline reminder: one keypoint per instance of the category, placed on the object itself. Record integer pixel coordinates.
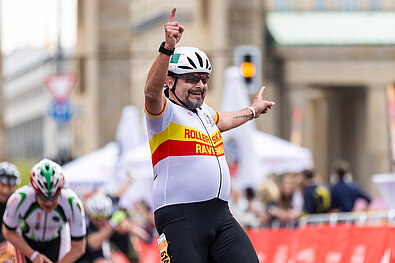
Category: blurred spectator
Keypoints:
(245, 208)
(141, 213)
(345, 193)
(268, 194)
(281, 212)
(9, 179)
(109, 229)
(317, 197)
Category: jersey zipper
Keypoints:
(215, 152)
(45, 226)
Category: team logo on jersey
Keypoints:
(208, 120)
(55, 219)
(38, 218)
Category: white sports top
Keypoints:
(23, 211)
(187, 155)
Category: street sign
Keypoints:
(61, 113)
(61, 85)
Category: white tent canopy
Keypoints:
(280, 156)
(92, 170)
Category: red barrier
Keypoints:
(323, 244)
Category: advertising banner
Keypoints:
(317, 244)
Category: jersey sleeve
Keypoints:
(214, 115)
(12, 214)
(77, 220)
(158, 122)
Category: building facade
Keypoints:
(335, 66)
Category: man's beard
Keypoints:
(196, 103)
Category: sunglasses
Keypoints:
(195, 78)
(48, 198)
(10, 180)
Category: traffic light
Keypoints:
(248, 59)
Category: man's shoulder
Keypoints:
(67, 195)
(26, 192)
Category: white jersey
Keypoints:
(187, 155)
(24, 212)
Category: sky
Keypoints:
(34, 24)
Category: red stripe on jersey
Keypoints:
(183, 148)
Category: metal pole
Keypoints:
(63, 128)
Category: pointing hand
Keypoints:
(173, 31)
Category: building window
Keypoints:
(374, 5)
(347, 5)
(320, 5)
(282, 5)
(25, 141)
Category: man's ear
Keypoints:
(169, 81)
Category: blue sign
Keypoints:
(61, 113)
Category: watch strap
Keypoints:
(164, 50)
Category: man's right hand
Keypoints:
(42, 259)
(173, 31)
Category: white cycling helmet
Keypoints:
(189, 60)
(47, 179)
(99, 206)
(9, 174)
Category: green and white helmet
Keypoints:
(47, 179)
(189, 60)
(99, 206)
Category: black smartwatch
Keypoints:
(164, 50)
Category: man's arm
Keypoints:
(232, 119)
(153, 91)
(19, 243)
(96, 239)
(76, 251)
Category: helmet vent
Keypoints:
(40, 183)
(200, 59)
(192, 63)
(185, 67)
(207, 64)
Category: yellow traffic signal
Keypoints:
(247, 69)
(248, 59)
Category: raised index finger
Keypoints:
(172, 14)
(260, 93)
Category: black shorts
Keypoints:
(204, 232)
(50, 248)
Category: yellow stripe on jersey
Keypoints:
(158, 114)
(179, 132)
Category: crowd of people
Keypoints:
(282, 200)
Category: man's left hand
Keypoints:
(260, 105)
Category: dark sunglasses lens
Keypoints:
(48, 198)
(8, 179)
(193, 79)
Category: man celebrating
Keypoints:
(41, 210)
(191, 176)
